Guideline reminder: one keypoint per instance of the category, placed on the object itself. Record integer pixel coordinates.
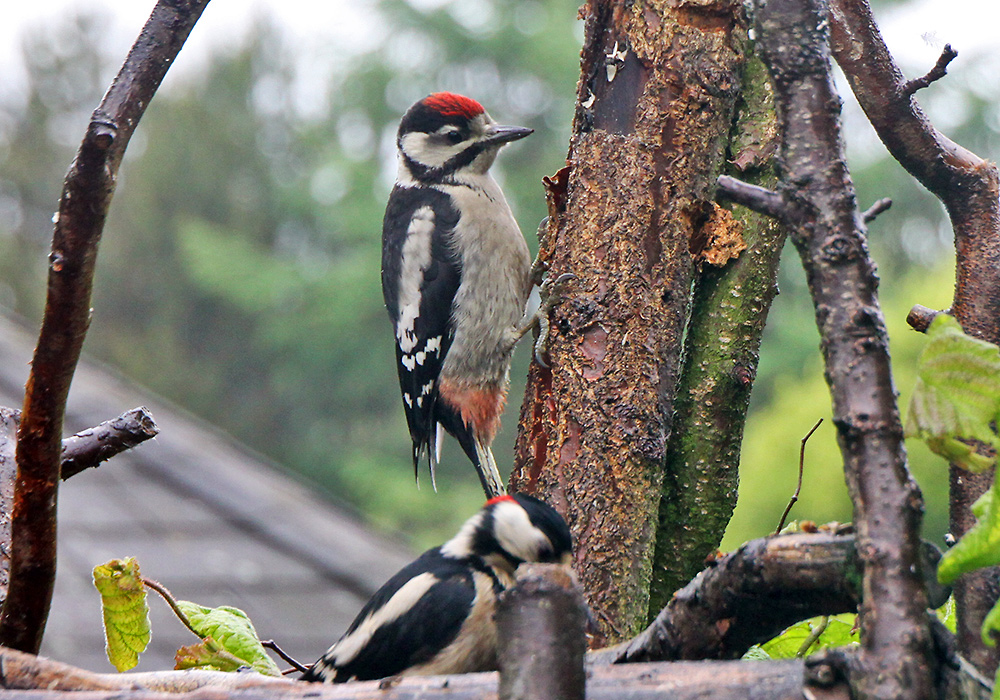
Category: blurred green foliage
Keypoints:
(239, 276)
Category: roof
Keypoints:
(212, 521)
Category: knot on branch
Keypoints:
(101, 133)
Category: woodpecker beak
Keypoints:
(500, 135)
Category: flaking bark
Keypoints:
(655, 99)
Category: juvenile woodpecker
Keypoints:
(436, 615)
(456, 274)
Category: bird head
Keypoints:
(511, 530)
(446, 134)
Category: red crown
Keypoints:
(452, 105)
(498, 499)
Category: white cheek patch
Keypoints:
(419, 147)
(404, 599)
(515, 533)
(416, 257)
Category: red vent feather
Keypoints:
(452, 105)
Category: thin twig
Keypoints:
(939, 70)
(273, 646)
(814, 634)
(875, 209)
(172, 602)
(798, 488)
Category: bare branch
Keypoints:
(936, 73)
(827, 231)
(969, 188)
(759, 199)
(879, 207)
(83, 207)
(90, 447)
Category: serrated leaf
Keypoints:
(229, 630)
(980, 546)
(839, 632)
(126, 615)
(756, 653)
(957, 394)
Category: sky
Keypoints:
(915, 31)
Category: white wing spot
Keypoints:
(433, 344)
(416, 258)
(407, 400)
(401, 601)
(408, 362)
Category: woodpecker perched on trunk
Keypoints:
(456, 274)
(436, 615)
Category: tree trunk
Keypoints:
(655, 102)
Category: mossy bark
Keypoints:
(655, 101)
(728, 312)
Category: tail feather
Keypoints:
(489, 475)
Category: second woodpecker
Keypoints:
(456, 274)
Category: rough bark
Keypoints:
(86, 449)
(968, 186)
(732, 680)
(748, 597)
(728, 312)
(89, 448)
(541, 636)
(654, 105)
(83, 207)
(821, 211)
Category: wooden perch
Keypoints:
(541, 632)
(83, 206)
(732, 680)
(747, 597)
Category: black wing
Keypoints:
(431, 622)
(419, 291)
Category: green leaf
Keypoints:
(229, 641)
(126, 615)
(990, 625)
(980, 546)
(948, 614)
(839, 631)
(957, 394)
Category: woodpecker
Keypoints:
(436, 615)
(456, 274)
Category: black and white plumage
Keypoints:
(455, 276)
(436, 615)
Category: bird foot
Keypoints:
(551, 293)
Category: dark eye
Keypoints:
(454, 137)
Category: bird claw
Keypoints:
(551, 293)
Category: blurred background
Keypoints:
(239, 270)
